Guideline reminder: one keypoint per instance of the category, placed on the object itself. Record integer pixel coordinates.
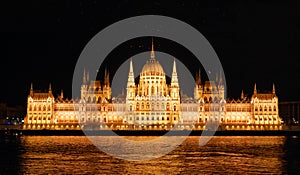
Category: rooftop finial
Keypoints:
(152, 50)
(273, 91)
(242, 95)
(255, 91)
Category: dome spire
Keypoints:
(152, 51)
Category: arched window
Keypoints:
(174, 107)
(274, 108)
(137, 106)
(215, 99)
(168, 106)
(205, 99)
(210, 99)
(162, 106)
(142, 106)
(130, 107)
(152, 90)
(30, 108)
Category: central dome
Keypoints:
(152, 66)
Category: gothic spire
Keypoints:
(152, 51)
(130, 81)
(84, 77)
(106, 77)
(174, 67)
(242, 95)
(61, 94)
(174, 81)
(31, 89)
(273, 91)
(50, 89)
(255, 91)
(198, 77)
(220, 78)
(87, 76)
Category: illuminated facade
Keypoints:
(152, 104)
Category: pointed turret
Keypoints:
(242, 95)
(152, 51)
(221, 79)
(217, 79)
(84, 77)
(130, 82)
(61, 94)
(255, 91)
(198, 77)
(273, 91)
(174, 81)
(88, 76)
(50, 89)
(106, 78)
(31, 89)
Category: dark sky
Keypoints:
(255, 41)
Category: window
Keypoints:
(142, 107)
(174, 107)
(174, 118)
(130, 108)
(162, 118)
(137, 118)
(168, 118)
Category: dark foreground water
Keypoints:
(222, 155)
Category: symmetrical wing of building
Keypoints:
(152, 104)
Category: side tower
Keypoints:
(265, 108)
(39, 109)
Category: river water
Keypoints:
(221, 155)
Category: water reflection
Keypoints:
(10, 148)
(222, 155)
(291, 159)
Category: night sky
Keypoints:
(255, 41)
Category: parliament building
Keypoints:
(152, 104)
